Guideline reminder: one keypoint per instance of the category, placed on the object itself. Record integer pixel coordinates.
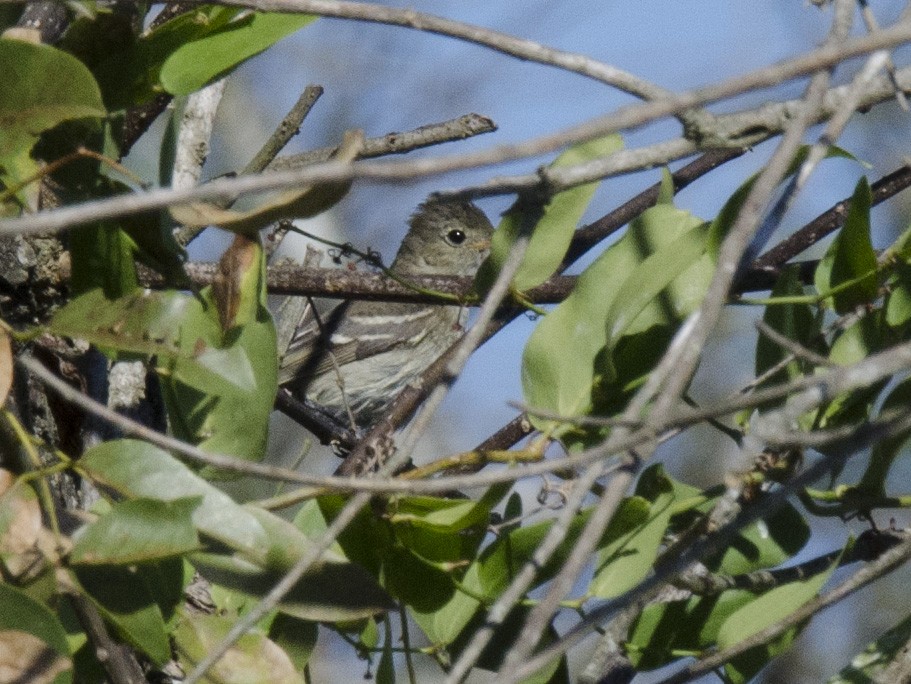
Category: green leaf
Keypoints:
(553, 231)
(131, 76)
(253, 658)
(851, 258)
(42, 87)
(219, 391)
(857, 342)
(647, 280)
(295, 637)
(898, 304)
(886, 450)
(626, 561)
(138, 531)
(418, 584)
(795, 321)
(124, 600)
(331, 591)
(137, 469)
(867, 666)
(666, 188)
(502, 641)
(23, 613)
(731, 209)
(568, 352)
(765, 543)
(770, 608)
(267, 545)
(200, 61)
(385, 671)
(664, 629)
(102, 257)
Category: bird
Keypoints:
(352, 363)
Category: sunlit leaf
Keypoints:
(198, 62)
(553, 231)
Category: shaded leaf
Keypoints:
(124, 600)
(25, 614)
(331, 591)
(797, 322)
(626, 561)
(43, 87)
(295, 637)
(765, 543)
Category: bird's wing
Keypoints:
(353, 331)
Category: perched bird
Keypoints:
(354, 361)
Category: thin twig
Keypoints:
(394, 172)
(287, 129)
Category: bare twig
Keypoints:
(287, 129)
(390, 171)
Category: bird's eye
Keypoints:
(455, 236)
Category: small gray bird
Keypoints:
(353, 362)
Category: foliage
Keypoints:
(440, 563)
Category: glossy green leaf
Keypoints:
(561, 364)
(130, 76)
(138, 531)
(648, 280)
(553, 231)
(252, 659)
(42, 87)
(124, 600)
(219, 392)
(664, 629)
(198, 62)
(417, 583)
(851, 258)
(502, 641)
(498, 563)
(169, 325)
(861, 339)
(770, 608)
